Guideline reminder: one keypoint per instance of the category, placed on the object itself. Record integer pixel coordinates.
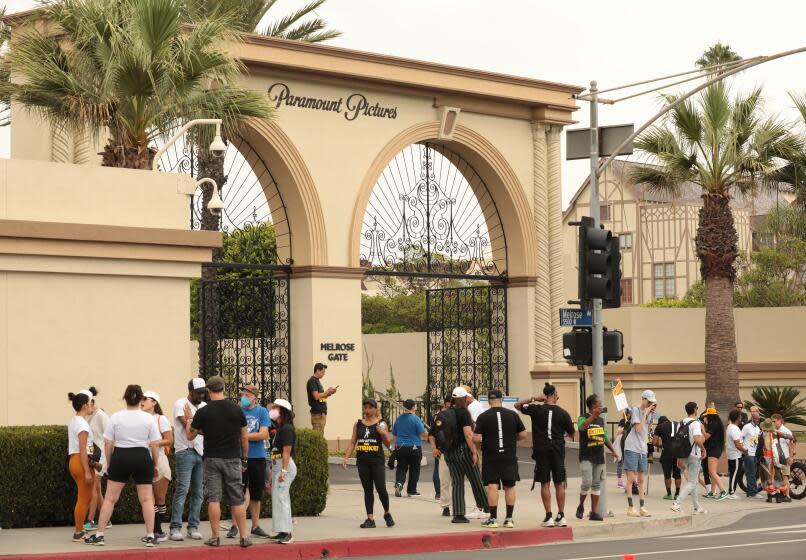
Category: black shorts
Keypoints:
(502, 473)
(549, 465)
(254, 478)
(131, 462)
(670, 468)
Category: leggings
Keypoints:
(733, 472)
(84, 491)
(373, 474)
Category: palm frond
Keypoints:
(292, 27)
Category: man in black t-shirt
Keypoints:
(664, 432)
(317, 398)
(550, 425)
(226, 448)
(499, 430)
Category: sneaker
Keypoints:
(620, 483)
(388, 518)
(708, 496)
(213, 541)
(721, 496)
(95, 540)
(668, 497)
(258, 532)
(460, 519)
(108, 524)
(399, 490)
(176, 535)
(90, 526)
(644, 513)
(79, 537)
(548, 521)
(446, 512)
(415, 493)
(233, 532)
(151, 542)
(786, 499)
(675, 507)
(580, 512)
(161, 537)
(437, 497)
(699, 510)
(277, 537)
(560, 521)
(593, 516)
(509, 524)
(368, 524)
(477, 513)
(286, 539)
(245, 543)
(195, 534)
(733, 496)
(490, 523)
(631, 512)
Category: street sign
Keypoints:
(574, 317)
(577, 142)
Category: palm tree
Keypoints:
(5, 73)
(717, 54)
(722, 145)
(133, 70)
(779, 400)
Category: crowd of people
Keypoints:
(222, 450)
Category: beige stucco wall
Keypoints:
(403, 353)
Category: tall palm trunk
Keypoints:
(129, 157)
(716, 245)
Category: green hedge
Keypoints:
(36, 489)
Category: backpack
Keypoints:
(445, 430)
(680, 444)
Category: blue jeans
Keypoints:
(751, 475)
(189, 476)
(635, 462)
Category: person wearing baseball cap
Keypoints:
(283, 471)
(636, 450)
(189, 469)
(408, 430)
(317, 397)
(254, 477)
(151, 404)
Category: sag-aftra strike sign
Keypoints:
(354, 106)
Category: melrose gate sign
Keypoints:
(356, 104)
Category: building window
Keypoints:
(664, 281)
(625, 241)
(604, 212)
(626, 291)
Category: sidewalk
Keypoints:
(336, 530)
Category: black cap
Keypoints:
(495, 394)
(319, 365)
(549, 389)
(409, 404)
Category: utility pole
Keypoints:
(597, 369)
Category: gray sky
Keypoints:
(614, 42)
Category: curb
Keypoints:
(618, 529)
(348, 548)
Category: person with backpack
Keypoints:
(663, 436)
(454, 438)
(592, 441)
(550, 426)
(440, 465)
(687, 446)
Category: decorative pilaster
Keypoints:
(554, 197)
(542, 318)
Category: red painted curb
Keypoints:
(347, 548)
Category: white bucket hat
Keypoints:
(283, 404)
(153, 395)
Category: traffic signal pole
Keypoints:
(597, 369)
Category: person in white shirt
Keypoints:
(693, 462)
(751, 432)
(151, 405)
(131, 449)
(79, 449)
(736, 450)
(189, 466)
(785, 440)
(98, 421)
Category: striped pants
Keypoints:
(460, 465)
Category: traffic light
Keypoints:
(599, 264)
(578, 349)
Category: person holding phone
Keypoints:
(636, 450)
(317, 397)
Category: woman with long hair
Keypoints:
(283, 470)
(79, 449)
(131, 448)
(98, 420)
(714, 447)
(151, 404)
(369, 437)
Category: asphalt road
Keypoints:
(780, 535)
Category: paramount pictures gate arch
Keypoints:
(325, 159)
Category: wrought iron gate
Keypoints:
(467, 340)
(244, 332)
